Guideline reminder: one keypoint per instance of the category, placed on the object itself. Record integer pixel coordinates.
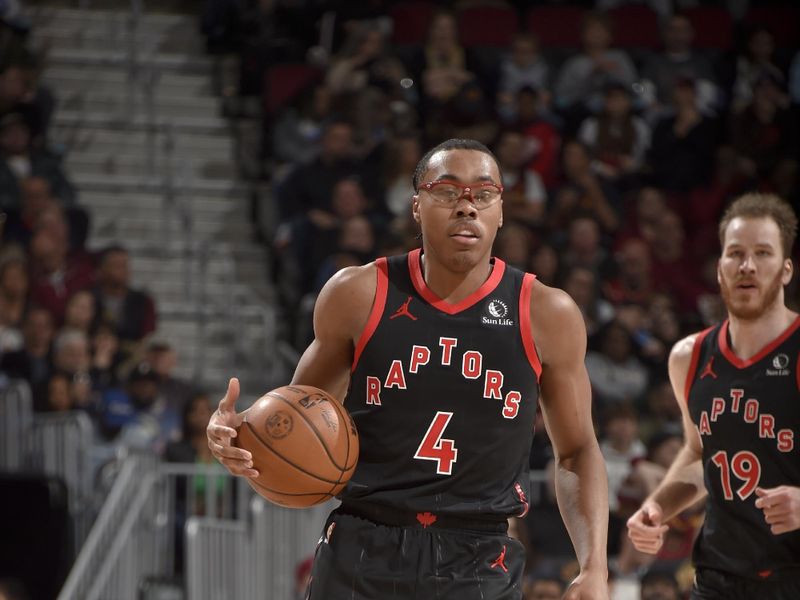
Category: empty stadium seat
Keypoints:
(283, 82)
(410, 22)
(556, 26)
(487, 26)
(781, 20)
(635, 26)
(713, 27)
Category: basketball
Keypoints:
(304, 445)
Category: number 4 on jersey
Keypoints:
(434, 447)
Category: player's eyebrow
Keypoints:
(451, 177)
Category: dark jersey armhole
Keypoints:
(377, 310)
(525, 324)
(696, 349)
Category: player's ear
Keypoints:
(788, 271)
(719, 271)
(415, 207)
(499, 225)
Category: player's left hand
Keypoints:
(589, 585)
(781, 506)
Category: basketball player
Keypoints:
(738, 385)
(441, 356)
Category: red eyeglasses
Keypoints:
(448, 193)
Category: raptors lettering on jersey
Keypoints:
(470, 363)
(749, 410)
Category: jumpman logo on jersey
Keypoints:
(500, 561)
(709, 370)
(403, 311)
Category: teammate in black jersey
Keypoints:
(441, 356)
(738, 385)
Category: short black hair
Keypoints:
(451, 144)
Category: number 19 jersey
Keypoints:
(444, 395)
(747, 413)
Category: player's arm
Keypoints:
(683, 484)
(340, 313)
(581, 482)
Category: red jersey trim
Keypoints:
(415, 269)
(737, 362)
(377, 309)
(525, 324)
(698, 345)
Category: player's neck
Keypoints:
(452, 286)
(750, 336)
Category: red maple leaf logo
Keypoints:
(426, 519)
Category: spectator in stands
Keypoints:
(21, 92)
(583, 77)
(80, 312)
(513, 244)
(543, 588)
(659, 584)
(582, 192)
(683, 142)
(468, 114)
(72, 357)
(524, 196)
(193, 445)
(762, 131)
(138, 417)
(55, 275)
(616, 138)
(355, 246)
(633, 282)
(581, 284)
(675, 271)
(298, 128)
(648, 204)
(14, 286)
(163, 357)
(545, 263)
(662, 409)
(33, 362)
(310, 185)
(131, 312)
(19, 159)
(621, 447)
(756, 62)
(616, 373)
(678, 61)
(40, 208)
(523, 66)
(107, 359)
(584, 248)
(401, 158)
(542, 140)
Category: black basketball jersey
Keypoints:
(444, 395)
(748, 414)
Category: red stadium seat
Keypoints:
(556, 26)
(782, 21)
(410, 22)
(713, 27)
(284, 81)
(487, 26)
(635, 26)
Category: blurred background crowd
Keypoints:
(622, 129)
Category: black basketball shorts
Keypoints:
(710, 584)
(360, 559)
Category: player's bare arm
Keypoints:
(683, 484)
(581, 483)
(340, 314)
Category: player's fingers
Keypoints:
(228, 402)
(237, 468)
(777, 513)
(221, 432)
(222, 451)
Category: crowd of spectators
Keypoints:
(622, 130)
(71, 325)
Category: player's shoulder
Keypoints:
(552, 304)
(682, 351)
(351, 284)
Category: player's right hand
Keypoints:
(222, 429)
(645, 528)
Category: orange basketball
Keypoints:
(304, 445)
